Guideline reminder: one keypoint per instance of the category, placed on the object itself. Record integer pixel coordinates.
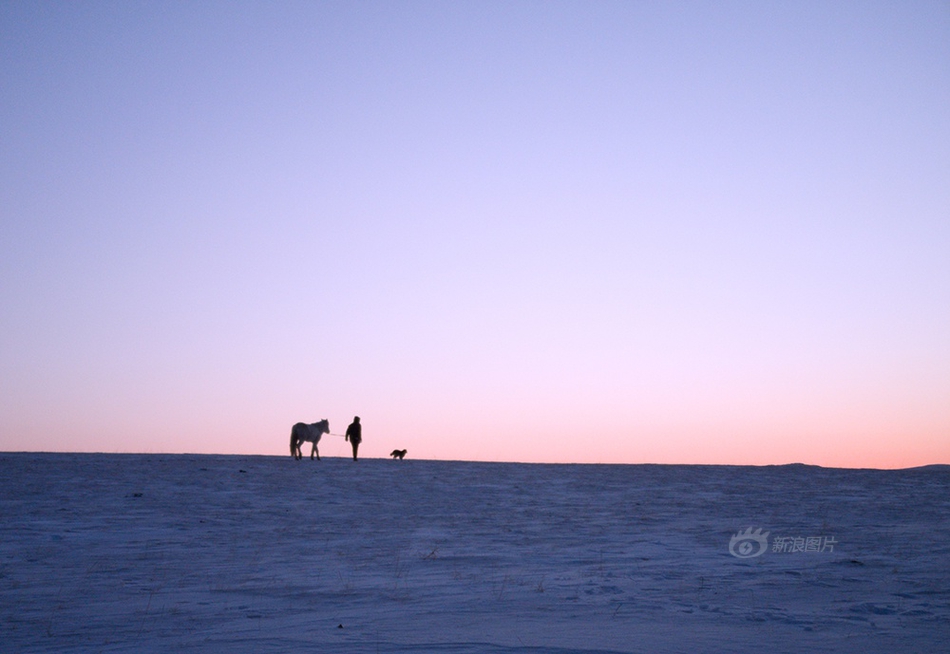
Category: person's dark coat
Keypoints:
(354, 433)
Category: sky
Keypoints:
(633, 232)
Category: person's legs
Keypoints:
(356, 446)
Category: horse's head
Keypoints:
(325, 426)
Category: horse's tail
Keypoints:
(293, 442)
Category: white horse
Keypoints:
(303, 432)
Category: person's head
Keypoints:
(356, 418)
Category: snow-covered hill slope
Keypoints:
(155, 553)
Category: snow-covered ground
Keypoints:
(230, 554)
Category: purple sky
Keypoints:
(617, 232)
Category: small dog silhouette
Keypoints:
(398, 454)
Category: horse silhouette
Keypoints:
(303, 432)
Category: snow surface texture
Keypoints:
(154, 553)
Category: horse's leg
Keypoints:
(315, 449)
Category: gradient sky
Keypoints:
(664, 232)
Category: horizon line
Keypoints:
(506, 462)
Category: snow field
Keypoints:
(197, 553)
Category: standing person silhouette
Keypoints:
(354, 434)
